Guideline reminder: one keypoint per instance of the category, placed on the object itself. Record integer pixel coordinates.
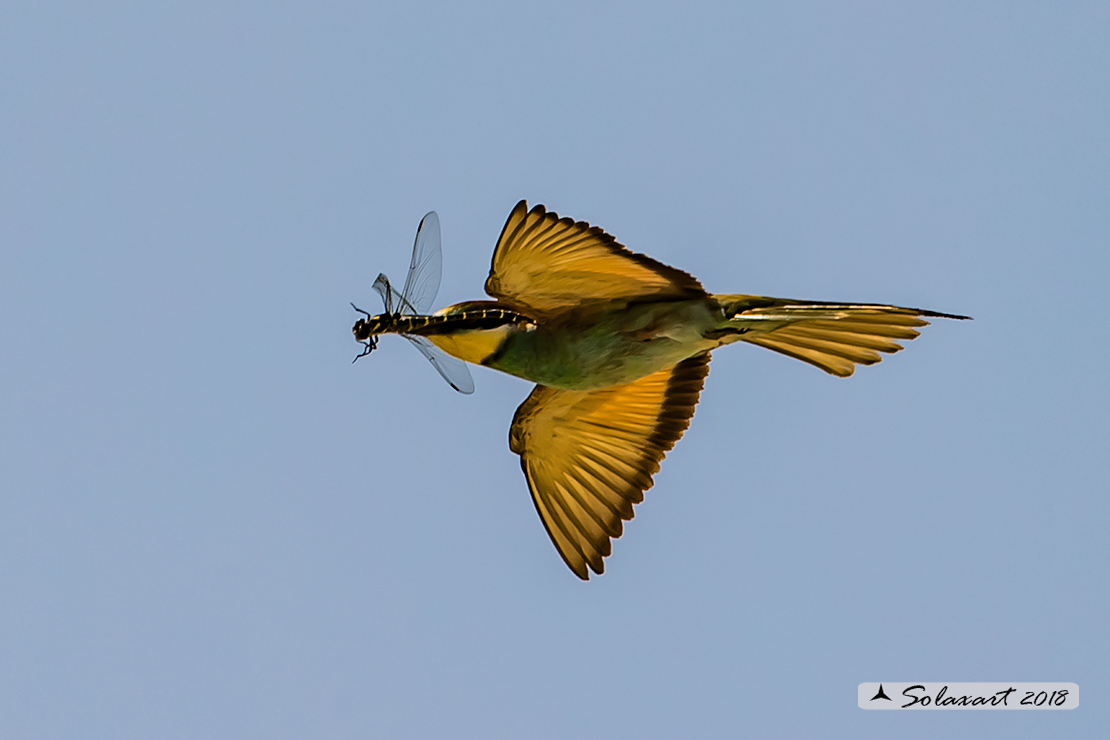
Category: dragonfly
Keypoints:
(421, 285)
(618, 345)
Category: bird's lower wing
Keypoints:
(590, 455)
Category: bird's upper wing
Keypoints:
(590, 455)
(543, 264)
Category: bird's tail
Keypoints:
(833, 336)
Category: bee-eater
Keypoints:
(618, 345)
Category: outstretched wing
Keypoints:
(544, 264)
(590, 455)
(425, 269)
(453, 370)
(424, 276)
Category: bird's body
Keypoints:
(592, 346)
(618, 345)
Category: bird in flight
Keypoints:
(618, 345)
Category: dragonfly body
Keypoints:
(618, 345)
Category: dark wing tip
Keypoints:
(683, 391)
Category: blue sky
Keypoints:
(213, 525)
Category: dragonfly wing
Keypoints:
(453, 370)
(385, 290)
(426, 268)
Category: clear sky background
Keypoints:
(213, 525)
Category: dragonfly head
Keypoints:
(366, 330)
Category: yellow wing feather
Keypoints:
(589, 456)
(543, 264)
